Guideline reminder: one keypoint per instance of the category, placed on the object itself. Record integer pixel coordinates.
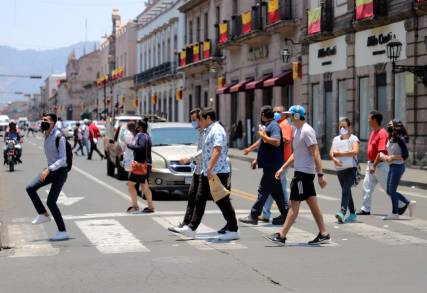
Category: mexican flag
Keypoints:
(364, 9)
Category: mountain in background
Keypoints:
(34, 62)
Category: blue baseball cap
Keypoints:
(296, 109)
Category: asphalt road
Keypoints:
(111, 251)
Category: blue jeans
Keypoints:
(393, 179)
(266, 211)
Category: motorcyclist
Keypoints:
(12, 132)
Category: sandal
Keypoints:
(133, 210)
(147, 210)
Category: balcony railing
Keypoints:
(155, 72)
(198, 52)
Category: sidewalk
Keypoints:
(412, 176)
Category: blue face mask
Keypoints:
(277, 116)
(195, 124)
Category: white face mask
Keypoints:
(343, 131)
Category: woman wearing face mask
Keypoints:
(397, 151)
(344, 151)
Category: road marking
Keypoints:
(404, 192)
(378, 234)
(417, 224)
(109, 236)
(63, 199)
(206, 237)
(295, 237)
(30, 240)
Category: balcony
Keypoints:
(161, 71)
(370, 14)
(320, 22)
(420, 7)
(194, 58)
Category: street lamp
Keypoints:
(394, 49)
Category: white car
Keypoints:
(4, 122)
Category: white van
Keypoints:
(4, 122)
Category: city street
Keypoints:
(111, 251)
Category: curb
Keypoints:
(406, 183)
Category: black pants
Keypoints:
(203, 193)
(57, 179)
(93, 147)
(191, 204)
(269, 185)
(346, 179)
(78, 142)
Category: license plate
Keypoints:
(11, 153)
(188, 180)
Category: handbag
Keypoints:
(218, 191)
(141, 168)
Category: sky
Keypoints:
(50, 24)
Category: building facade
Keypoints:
(158, 85)
(346, 71)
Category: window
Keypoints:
(159, 54)
(340, 7)
(315, 107)
(314, 3)
(190, 103)
(206, 26)
(176, 111)
(149, 58)
(218, 14)
(198, 28)
(206, 99)
(267, 96)
(402, 81)
(140, 62)
(170, 108)
(342, 98)
(287, 96)
(366, 106)
(168, 53)
(217, 107)
(164, 52)
(175, 48)
(381, 103)
(190, 31)
(235, 7)
(329, 114)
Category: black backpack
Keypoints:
(68, 151)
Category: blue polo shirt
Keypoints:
(270, 156)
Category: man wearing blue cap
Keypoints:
(307, 162)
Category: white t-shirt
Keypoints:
(303, 138)
(345, 145)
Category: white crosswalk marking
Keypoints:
(295, 237)
(378, 234)
(417, 224)
(206, 238)
(29, 240)
(109, 236)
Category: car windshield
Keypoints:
(2, 120)
(173, 136)
(69, 124)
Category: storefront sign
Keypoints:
(328, 56)
(371, 44)
(256, 53)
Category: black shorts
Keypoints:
(302, 186)
(140, 178)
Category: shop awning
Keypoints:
(240, 86)
(285, 78)
(225, 89)
(258, 84)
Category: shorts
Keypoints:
(140, 178)
(302, 186)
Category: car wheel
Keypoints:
(110, 167)
(122, 174)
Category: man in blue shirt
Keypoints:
(214, 162)
(55, 174)
(270, 159)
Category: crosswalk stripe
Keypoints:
(109, 236)
(29, 240)
(368, 231)
(295, 237)
(206, 238)
(417, 224)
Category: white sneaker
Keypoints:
(59, 236)
(411, 208)
(40, 219)
(392, 217)
(228, 236)
(186, 231)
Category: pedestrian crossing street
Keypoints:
(108, 235)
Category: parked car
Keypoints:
(101, 126)
(23, 123)
(4, 123)
(68, 128)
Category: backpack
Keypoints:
(68, 151)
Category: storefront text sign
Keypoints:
(328, 56)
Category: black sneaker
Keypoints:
(223, 230)
(264, 220)
(278, 220)
(249, 220)
(363, 213)
(275, 238)
(402, 210)
(320, 239)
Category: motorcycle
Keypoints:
(12, 153)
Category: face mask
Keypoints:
(277, 116)
(390, 129)
(343, 131)
(195, 124)
(45, 125)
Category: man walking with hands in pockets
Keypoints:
(307, 162)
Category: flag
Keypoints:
(296, 70)
(154, 100)
(206, 49)
(122, 99)
(178, 94)
(273, 11)
(314, 19)
(364, 9)
(246, 22)
(223, 32)
(220, 82)
(196, 52)
(183, 57)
